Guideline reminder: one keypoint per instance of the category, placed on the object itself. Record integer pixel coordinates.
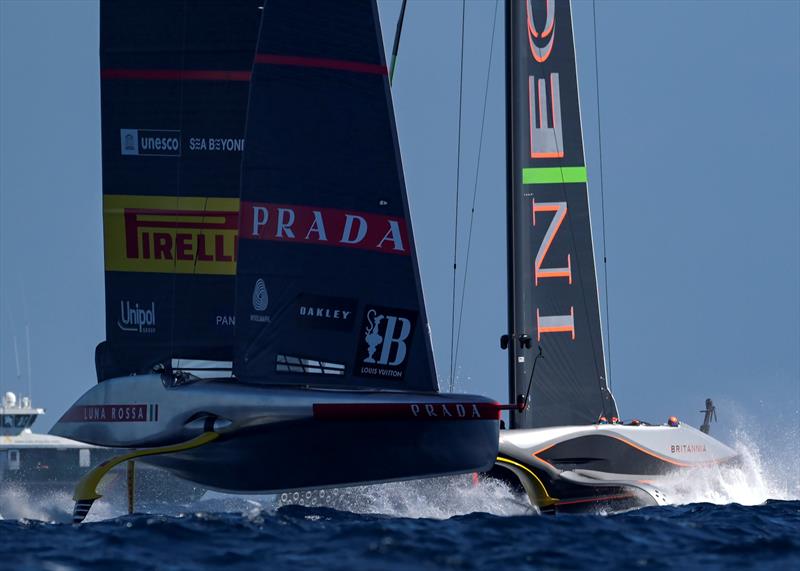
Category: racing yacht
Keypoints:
(566, 446)
(265, 324)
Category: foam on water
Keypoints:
(54, 507)
(767, 472)
(770, 470)
(753, 482)
(434, 498)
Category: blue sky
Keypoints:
(700, 109)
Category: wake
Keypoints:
(759, 477)
(770, 471)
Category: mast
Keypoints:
(552, 289)
(514, 416)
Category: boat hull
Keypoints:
(604, 468)
(275, 439)
(309, 454)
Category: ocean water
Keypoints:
(747, 518)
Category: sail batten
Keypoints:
(553, 291)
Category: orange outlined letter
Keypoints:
(560, 210)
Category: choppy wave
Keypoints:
(756, 480)
(695, 535)
(760, 476)
(769, 470)
(742, 517)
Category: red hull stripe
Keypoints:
(176, 74)
(408, 411)
(320, 63)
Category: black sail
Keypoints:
(175, 81)
(552, 284)
(328, 290)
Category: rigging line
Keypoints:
(475, 187)
(458, 181)
(396, 46)
(602, 194)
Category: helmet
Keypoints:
(602, 420)
(615, 420)
(673, 421)
(636, 422)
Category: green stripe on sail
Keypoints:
(553, 175)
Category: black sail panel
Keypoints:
(553, 288)
(174, 81)
(328, 291)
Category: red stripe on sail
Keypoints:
(409, 411)
(322, 63)
(176, 74)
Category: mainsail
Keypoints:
(328, 289)
(553, 295)
(175, 80)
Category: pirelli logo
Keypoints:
(167, 234)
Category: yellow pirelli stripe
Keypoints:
(168, 234)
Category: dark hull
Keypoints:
(286, 438)
(318, 454)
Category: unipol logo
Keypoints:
(260, 301)
(260, 296)
(385, 342)
(136, 318)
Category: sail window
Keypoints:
(289, 364)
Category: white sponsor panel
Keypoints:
(150, 142)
